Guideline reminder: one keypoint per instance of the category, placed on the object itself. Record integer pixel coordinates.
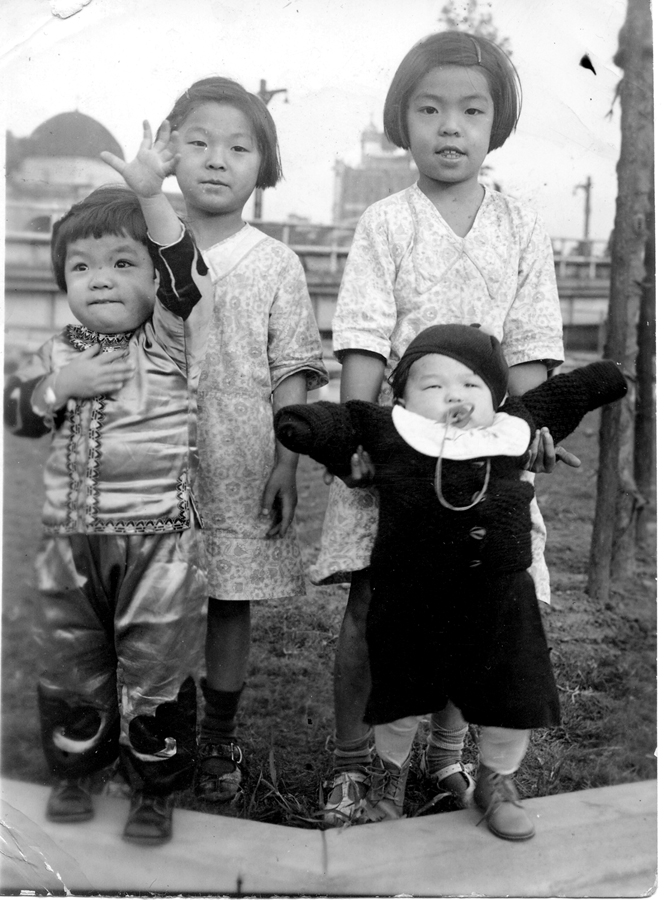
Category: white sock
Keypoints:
(394, 740)
(502, 749)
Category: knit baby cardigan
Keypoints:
(453, 615)
(413, 526)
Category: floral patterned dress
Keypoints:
(407, 269)
(263, 330)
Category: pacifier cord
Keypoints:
(438, 479)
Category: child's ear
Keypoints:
(156, 281)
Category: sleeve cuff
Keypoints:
(166, 246)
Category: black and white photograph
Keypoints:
(329, 450)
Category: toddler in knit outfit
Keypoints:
(453, 614)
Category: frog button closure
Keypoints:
(478, 533)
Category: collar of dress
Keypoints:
(506, 436)
(483, 257)
(223, 257)
(82, 338)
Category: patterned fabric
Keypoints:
(407, 270)
(123, 463)
(263, 331)
(81, 337)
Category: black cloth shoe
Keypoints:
(70, 800)
(150, 819)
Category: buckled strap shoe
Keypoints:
(346, 801)
(218, 775)
(454, 780)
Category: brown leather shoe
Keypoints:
(504, 814)
(387, 790)
(150, 819)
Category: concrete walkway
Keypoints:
(596, 843)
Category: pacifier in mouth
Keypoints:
(459, 414)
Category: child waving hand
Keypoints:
(122, 590)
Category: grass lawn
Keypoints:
(604, 656)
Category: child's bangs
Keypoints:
(108, 210)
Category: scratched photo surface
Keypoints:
(328, 64)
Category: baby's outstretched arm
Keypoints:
(324, 431)
(561, 402)
(145, 176)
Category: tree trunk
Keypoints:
(613, 541)
(644, 423)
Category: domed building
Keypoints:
(56, 165)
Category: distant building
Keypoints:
(384, 169)
(54, 167)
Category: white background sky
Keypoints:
(124, 60)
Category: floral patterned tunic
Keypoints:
(407, 269)
(263, 330)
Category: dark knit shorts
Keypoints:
(478, 642)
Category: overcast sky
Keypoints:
(124, 60)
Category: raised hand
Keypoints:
(153, 162)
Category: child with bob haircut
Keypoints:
(453, 48)
(453, 613)
(122, 593)
(445, 250)
(263, 352)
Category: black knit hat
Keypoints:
(467, 344)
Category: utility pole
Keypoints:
(265, 95)
(587, 187)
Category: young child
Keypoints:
(453, 612)
(446, 249)
(263, 352)
(122, 592)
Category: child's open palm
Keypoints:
(93, 373)
(153, 162)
